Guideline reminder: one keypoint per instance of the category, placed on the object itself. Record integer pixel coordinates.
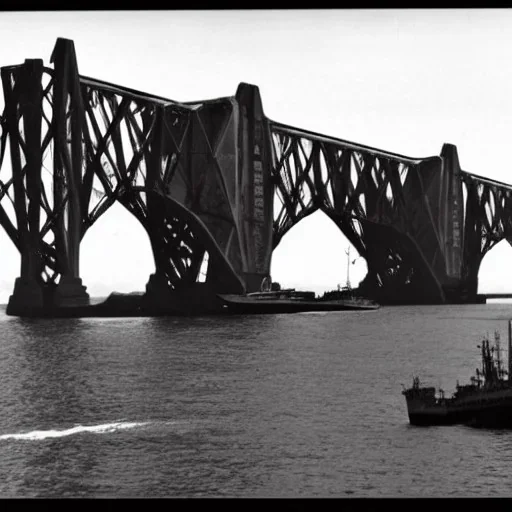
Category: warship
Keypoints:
(486, 401)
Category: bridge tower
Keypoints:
(48, 220)
(196, 175)
(451, 219)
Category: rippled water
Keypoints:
(303, 405)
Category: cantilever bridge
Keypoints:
(216, 183)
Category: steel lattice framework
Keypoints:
(379, 200)
(487, 220)
(215, 183)
(422, 225)
(78, 144)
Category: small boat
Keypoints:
(486, 401)
(291, 301)
(346, 295)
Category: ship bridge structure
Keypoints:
(216, 185)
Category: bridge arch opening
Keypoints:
(11, 257)
(10, 268)
(116, 254)
(312, 255)
(495, 273)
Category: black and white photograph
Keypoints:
(256, 253)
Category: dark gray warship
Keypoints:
(486, 401)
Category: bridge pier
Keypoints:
(70, 292)
(26, 296)
(158, 293)
(192, 298)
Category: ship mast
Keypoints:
(498, 354)
(347, 252)
(509, 349)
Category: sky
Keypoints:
(405, 81)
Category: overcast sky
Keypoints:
(401, 80)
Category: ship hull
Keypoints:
(247, 305)
(494, 413)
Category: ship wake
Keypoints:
(104, 428)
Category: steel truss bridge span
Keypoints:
(216, 185)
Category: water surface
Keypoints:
(300, 405)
